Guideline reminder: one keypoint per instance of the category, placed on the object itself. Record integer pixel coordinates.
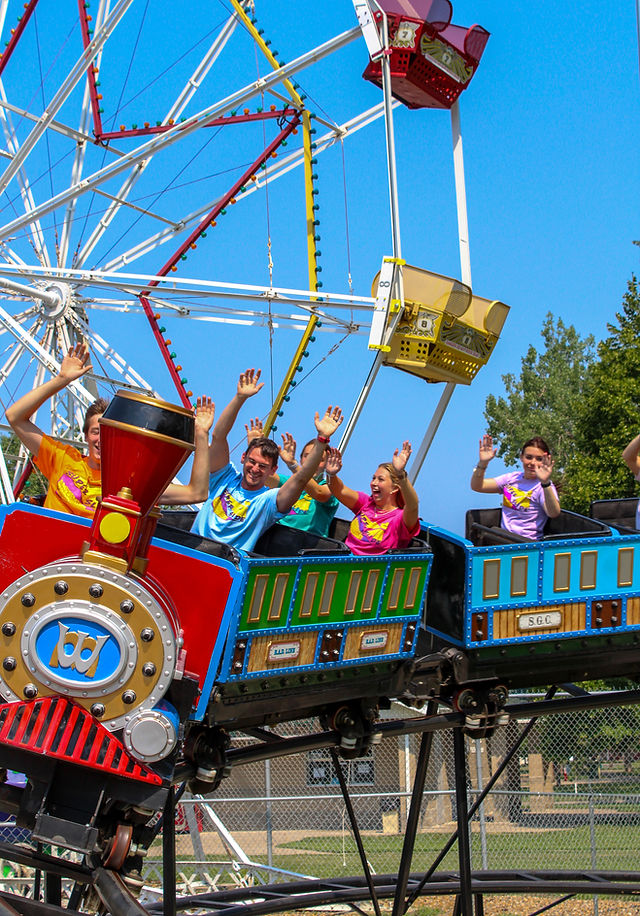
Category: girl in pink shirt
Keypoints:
(386, 519)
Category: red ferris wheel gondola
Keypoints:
(431, 60)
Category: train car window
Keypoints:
(309, 593)
(352, 592)
(394, 591)
(412, 587)
(519, 569)
(370, 590)
(257, 598)
(625, 566)
(490, 579)
(588, 568)
(275, 608)
(327, 594)
(561, 572)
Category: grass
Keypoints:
(566, 848)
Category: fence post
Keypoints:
(267, 784)
(483, 821)
(592, 843)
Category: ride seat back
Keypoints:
(619, 513)
(482, 528)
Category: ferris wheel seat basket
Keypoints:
(445, 333)
(431, 61)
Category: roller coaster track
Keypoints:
(96, 889)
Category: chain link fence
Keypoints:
(570, 799)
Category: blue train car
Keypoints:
(536, 612)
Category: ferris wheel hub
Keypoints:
(56, 300)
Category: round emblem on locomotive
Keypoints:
(78, 647)
(89, 633)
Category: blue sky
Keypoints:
(550, 127)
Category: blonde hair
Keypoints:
(395, 480)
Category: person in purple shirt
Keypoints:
(528, 496)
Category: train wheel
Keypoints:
(353, 721)
(119, 847)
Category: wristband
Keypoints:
(545, 485)
(325, 440)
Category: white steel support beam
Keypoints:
(173, 114)
(42, 355)
(75, 75)
(178, 132)
(465, 268)
(272, 173)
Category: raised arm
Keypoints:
(197, 490)
(487, 451)
(410, 512)
(543, 473)
(293, 487)
(320, 492)
(248, 385)
(343, 494)
(74, 365)
(631, 456)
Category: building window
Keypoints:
(358, 772)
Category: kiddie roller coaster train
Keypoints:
(127, 659)
(131, 647)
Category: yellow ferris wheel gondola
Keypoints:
(442, 333)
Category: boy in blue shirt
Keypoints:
(241, 505)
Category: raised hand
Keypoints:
(487, 450)
(288, 449)
(332, 419)
(205, 413)
(401, 456)
(544, 468)
(254, 429)
(334, 461)
(76, 363)
(249, 384)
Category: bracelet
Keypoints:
(546, 484)
(325, 440)
(480, 467)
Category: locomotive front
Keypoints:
(91, 643)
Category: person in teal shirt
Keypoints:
(315, 508)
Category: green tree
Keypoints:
(36, 485)
(608, 415)
(544, 399)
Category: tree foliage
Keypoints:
(609, 413)
(544, 399)
(36, 485)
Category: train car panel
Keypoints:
(272, 652)
(542, 620)
(325, 612)
(505, 574)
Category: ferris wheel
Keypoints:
(132, 155)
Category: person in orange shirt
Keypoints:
(74, 478)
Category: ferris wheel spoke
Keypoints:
(16, 352)
(100, 346)
(42, 355)
(292, 161)
(174, 112)
(177, 132)
(37, 235)
(75, 75)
